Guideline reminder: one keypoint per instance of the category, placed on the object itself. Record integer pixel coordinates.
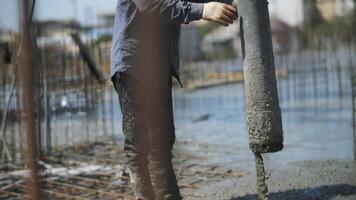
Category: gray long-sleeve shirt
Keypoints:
(146, 33)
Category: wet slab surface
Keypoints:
(212, 157)
(305, 180)
(314, 129)
(316, 162)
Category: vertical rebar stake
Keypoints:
(29, 104)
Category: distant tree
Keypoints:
(312, 15)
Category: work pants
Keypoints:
(148, 127)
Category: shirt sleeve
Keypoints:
(171, 11)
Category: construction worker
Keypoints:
(144, 58)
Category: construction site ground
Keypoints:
(96, 171)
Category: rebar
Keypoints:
(29, 101)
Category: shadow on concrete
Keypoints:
(315, 193)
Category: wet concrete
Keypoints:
(315, 163)
(262, 190)
(304, 180)
(316, 129)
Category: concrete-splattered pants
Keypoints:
(149, 135)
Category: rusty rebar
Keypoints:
(29, 102)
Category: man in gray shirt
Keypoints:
(144, 58)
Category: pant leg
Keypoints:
(150, 118)
(136, 142)
(162, 137)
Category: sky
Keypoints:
(290, 11)
(86, 11)
(8, 14)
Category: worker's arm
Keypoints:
(178, 11)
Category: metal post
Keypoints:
(353, 97)
(353, 85)
(29, 103)
(354, 115)
(47, 117)
(85, 54)
(264, 119)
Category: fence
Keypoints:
(75, 108)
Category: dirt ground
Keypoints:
(82, 170)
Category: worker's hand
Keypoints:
(220, 13)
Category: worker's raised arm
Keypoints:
(179, 11)
(171, 11)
